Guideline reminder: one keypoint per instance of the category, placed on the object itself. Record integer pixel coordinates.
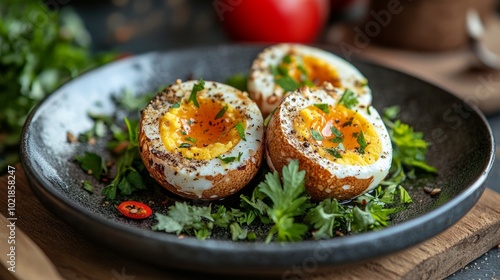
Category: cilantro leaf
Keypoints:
(409, 148)
(334, 152)
(316, 135)
(336, 132)
(362, 142)
(191, 139)
(323, 107)
(128, 178)
(287, 201)
(287, 83)
(182, 217)
(348, 99)
(199, 86)
(325, 218)
(93, 164)
(86, 185)
(404, 196)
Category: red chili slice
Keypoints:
(134, 209)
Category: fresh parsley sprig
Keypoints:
(409, 148)
(199, 86)
(348, 99)
(128, 178)
(285, 201)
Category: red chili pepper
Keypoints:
(134, 209)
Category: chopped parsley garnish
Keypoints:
(337, 140)
(196, 88)
(128, 178)
(362, 142)
(280, 202)
(282, 77)
(86, 185)
(334, 152)
(316, 135)
(287, 59)
(183, 132)
(323, 107)
(185, 145)
(227, 160)
(93, 164)
(409, 147)
(221, 113)
(341, 147)
(191, 139)
(176, 105)
(336, 132)
(347, 123)
(287, 83)
(348, 99)
(241, 130)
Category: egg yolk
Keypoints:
(201, 133)
(310, 70)
(341, 135)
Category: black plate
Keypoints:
(462, 151)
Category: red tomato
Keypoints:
(134, 209)
(273, 21)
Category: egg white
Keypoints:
(289, 110)
(268, 95)
(191, 176)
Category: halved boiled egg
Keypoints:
(202, 140)
(344, 147)
(283, 68)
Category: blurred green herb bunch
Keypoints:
(40, 48)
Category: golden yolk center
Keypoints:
(341, 135)
(201, 133)
(310, 69)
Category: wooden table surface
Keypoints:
(47, 248)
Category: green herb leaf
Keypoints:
(241, 130)
(347, 123)
(238, 81)
(334, 152)
(325, 218)
(176, 105)
(362, 142)
(86, 185)
(287, 59)
(323, 107)
(181, 217)
(316, 135)
(337, 140)
(221, 113)
(128, 178)
(404, 196)
(191, 139)
(226, 160)
(196, 88)
(185, 145)
(336, 132)
(287, 83)
(93, 164)
(348, 99)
